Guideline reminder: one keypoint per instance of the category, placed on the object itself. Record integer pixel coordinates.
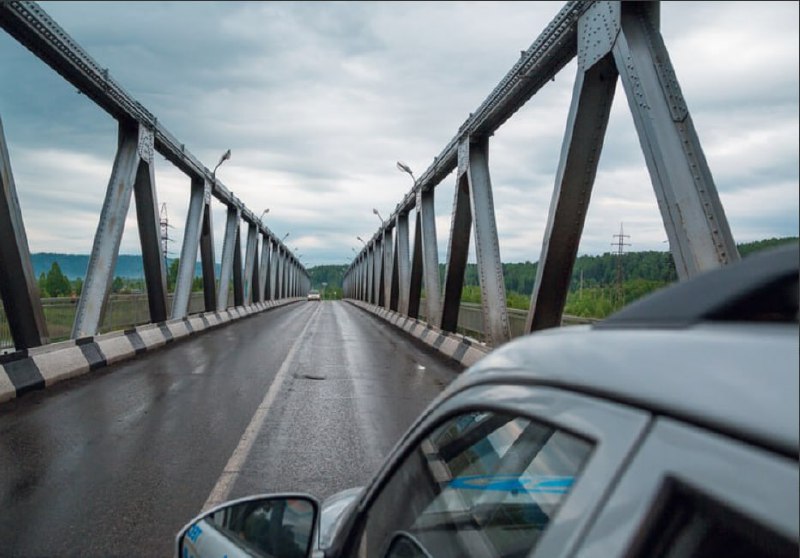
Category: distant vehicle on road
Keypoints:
(314, 295)
(668, 430)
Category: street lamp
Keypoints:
(362, 241)
(284, 237)
(263, 213)
(402, 167)
(225, 157)
(375, 211)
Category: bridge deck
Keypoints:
(115, 462)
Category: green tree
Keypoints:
(77, 286)
(172, 274)
(42, 284)
(56, 282)
(117, 285)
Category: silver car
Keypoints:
(667, 430)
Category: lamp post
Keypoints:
(225, 157)
(375, 211)
(284, 237)
(263, 213)
(402, 167)
(362, 241)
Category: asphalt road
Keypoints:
(309, 397)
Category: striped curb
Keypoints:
(462, 349)
(41, 367)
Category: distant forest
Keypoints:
(594, 288)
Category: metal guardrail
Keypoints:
(123, 312)
(470, 320)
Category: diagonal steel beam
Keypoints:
(191, 243)
(592, 96)
(105, 249)
(474, 166)
(18, 288)
(457, 252)
(697, 228)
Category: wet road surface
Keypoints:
(309, 397)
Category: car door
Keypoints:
(691, 492)
(496, 470)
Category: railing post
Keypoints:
(263, 276)
(250, 264)
(386, 263)
(191, 242)
(415, 280)
(400, 270)
(207, 260)
(457, 252)
(474, 165)
(228, 247)
(149, 221)
(18, 288)
(430, 256)
(238, 280)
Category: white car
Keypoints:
(314, 295)
(667, 430)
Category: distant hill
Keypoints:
(519, 277)
(75, 265)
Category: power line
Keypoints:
(620, 244)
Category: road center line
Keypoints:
(232, 469)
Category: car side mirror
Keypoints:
(271, 526)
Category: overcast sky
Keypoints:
(317, 101)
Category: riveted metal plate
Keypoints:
(207, 192)
(598, 29)
(145, 147)
(463, 156)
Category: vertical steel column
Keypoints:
(697, 228)
(415, 281)
(238, 282)
(149, 221)
(274, 263)
(474, 159)
(250, 263)
(592, 97)
(430, 257)
(277, 254)
(263, 276)
(191, 243)
(401, 257)
(228, 246)
(21, 298)
(387, 266)
(207, 255)
(457, 251)
(368, 291)
(134, 149)
(378, 278)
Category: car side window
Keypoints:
(690, 524)
(481, 484)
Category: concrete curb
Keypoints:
(462, 349)
(41, 367)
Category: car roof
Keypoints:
(720, 351)
(737, 379)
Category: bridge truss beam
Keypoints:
(140, 136)
(612, 40)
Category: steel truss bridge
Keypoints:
(614, 41)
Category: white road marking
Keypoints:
(231, 471)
